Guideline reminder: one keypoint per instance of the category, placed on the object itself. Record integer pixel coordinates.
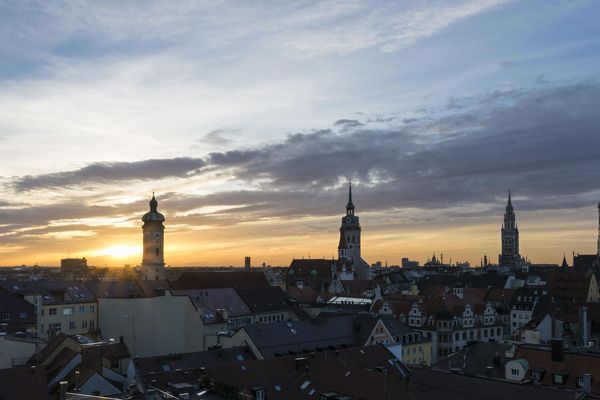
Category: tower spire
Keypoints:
(350, 205)
(509, 204)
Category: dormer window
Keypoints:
(559, 378)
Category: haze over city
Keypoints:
(249, 136)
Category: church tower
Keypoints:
(350, 231)
(153, 263)
(349, 244)
(510, 238)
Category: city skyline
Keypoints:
(249, 135)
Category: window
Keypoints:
(558, 379)
(81, 309)
(52, 311)
(514, 372)
(156, 251)
(71, 325)
(68, 310)
(6, 316)
(92, 326)
(84, 324)
(92, 308)
(23, 315)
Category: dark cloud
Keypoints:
(346, 124)
(108, 172)
(543, 144)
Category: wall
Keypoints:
(15, 351)
(153, 326)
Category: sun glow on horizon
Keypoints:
(119, 251)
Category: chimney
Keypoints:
(91, 357)
(63, 390)
(587, 383)
(489, 372)
(557, 350)
(583, 327)
(497, 360)
(300, 363)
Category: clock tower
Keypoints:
(349, 245)
(153, 263)
(350, 231)
(510, 238)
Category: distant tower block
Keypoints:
(153, 263)
(247, 262)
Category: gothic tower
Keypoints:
(350, 231)
(349, 244)
(153, 263)
(510, 238)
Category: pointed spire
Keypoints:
(564, 261)
(153, 203)
(350, 206)
(509, 203)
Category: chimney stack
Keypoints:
(557, 350)
(583, 327)
(587, 383)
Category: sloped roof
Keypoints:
(475, 358)
(193, 360)
(118, 289)
(281, 338)
(569, 285)
(352, 372)
(302, 268)
(264, 300)
(23, 383)
(431, 384)
(576, 364)
(220, 279)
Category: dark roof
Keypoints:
(23, 383)
(186, 361)
(475, 358)
(354, 372)
(212, 300)
(281, 338)
(468, 280)
(500, 295)
(153, 288)
(120, 289)
(569, 285)
(51, 346)
(302, 268)
(53, 292)
(431, 384)
(220, 279)
(576, 364)
(265, 299)
(21, 312)
(114, 351)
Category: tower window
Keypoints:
(156, 251)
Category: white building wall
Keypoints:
(15, 352)
(153, 326)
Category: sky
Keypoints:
(248, 120)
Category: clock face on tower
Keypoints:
(157, 235)
(348, 219)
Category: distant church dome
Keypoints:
(153, 214)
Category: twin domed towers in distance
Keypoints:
(153, 263)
